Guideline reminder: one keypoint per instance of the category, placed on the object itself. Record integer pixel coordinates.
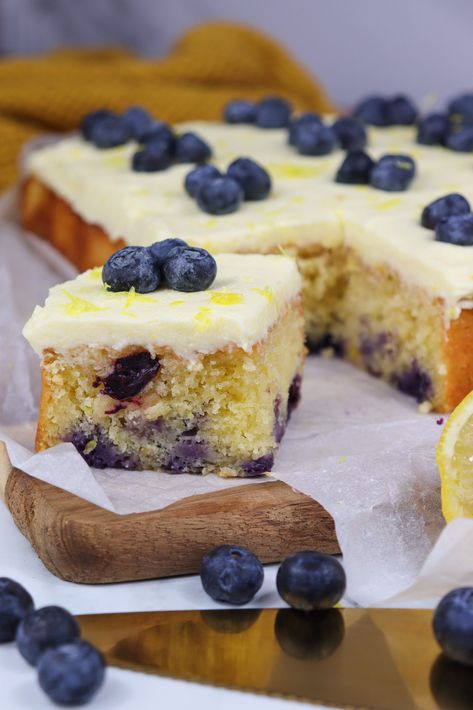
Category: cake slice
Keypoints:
(186, 382)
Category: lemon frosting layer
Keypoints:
(245, 300)
(306, 206)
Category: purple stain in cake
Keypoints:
(279, 427)
(117, 408)
(414, 381)
(316, 345)
(104, 454)
(382, 344)
(294, 396)
(187, 456)
(256, 467)
(130, 374)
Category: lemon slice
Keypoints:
(455, 462)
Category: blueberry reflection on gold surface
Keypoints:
(305, 635)
(452, 684)
(227, 622)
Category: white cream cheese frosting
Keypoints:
(245, 300)
(306, 206)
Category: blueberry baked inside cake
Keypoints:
(344, 196)
(169, 359)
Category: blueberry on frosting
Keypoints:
(444, 207)
(131, 267)
(315, 139)
(373, 110)
(302, 120)
(350, 133)
(273, 112)
(109, 131)
(152, 158)
(198, 176)
(240, 111)
(393, 173)
(89, 120)
(401, 111)
(161, 250)
(432, 129)
(462, 106)
(355, 169)
(456, 230)
(460, 140)
(192, 149)
(189, 269)
(253, 178)
(138, 120)
(160, 132)
(221, 195)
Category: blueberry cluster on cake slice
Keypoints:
(170, 359)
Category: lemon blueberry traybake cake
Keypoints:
(148, 376)
(379, 287)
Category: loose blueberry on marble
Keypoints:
(273, 112)
(192, 149)
(109, 132)
(198, 176)
(160, 132)
(302, 120)
(160, 250)
(456, 230)
(231, 574)
(45, 628)
(442, 208)
(239, 111)
(152, 158)
(15, 603)
(315, 139)
(72, 673)
(453, 625)
(373, 110)
(350, 133)
(90, 119)
(189, 269)
(355, 169)
(401, 111)
(139, 121)
(131, 267)
(432, 129)
(311, 580)
(253, 178)
(393, 173)
(462, 106)
(130, 375)
(460, 140)
(220, 196)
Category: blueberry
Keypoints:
(302, 120)
(444, 207)
(131, 267)
(138, 120)
(253, 178)
(273, 112)
(130, 375)
(189, 269)
(432, 129)
(192, 149)
(161, 250)
(15, 603)
(460, 140)
(90, 119)
(453, 625)
(231, 574)
(311, 580)
(44, 628)
(196, 178)
(393, 173)
(109, 132)
(355, 169)
(462, 106)
(160, 132)
(401, 111)
(373, 110)
(72, 673)
(350, 133)
(456, 230)
(220, 196)
(315, 139)
(239, 111)
(152, 158)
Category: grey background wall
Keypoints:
(423, 47)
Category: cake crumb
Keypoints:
(424, 407)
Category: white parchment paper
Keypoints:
(355, 445)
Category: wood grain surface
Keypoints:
(81, 542)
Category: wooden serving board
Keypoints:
(81, 542)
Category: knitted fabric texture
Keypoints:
(209, 65)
